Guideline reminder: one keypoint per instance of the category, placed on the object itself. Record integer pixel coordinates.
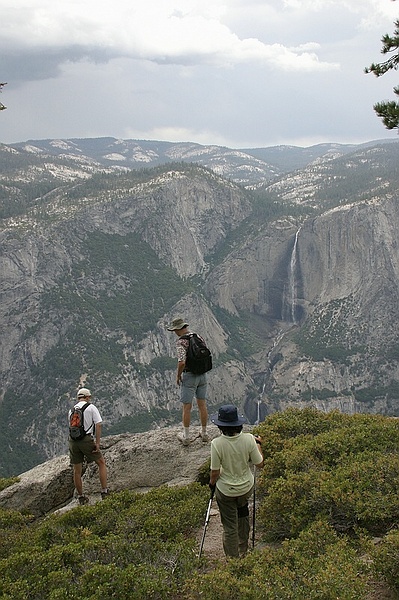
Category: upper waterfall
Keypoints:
(289, 310)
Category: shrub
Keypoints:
(385, 564)
(7, 481)
(12, 519)
(204, 472)
(339, 467)
(318, 565)
(132, 546)
(292, 423)
(330, 482)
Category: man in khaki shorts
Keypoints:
(191, 385)
(88, 447)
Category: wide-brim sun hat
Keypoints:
(228, 417)
(177, 324)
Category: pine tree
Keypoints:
(388, 110)
(2, 107)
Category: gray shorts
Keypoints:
(193, 386)
(79, 449)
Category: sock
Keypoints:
(186, 432)
(204, 430)
(104, 490)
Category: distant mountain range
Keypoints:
(249, 166)
(285, 259)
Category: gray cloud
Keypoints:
(245, 73)
(20, 66)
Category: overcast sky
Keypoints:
(237, 73)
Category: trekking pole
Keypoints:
(207, 517)
(254, 511)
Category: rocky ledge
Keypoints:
(136, 462)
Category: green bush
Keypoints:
(5, 482)
(318, 565)
(337, 467)
(329, 485)
(12, 519)
(132, 546)
(204, 472)
(385, 562)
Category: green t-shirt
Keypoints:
(233, 456)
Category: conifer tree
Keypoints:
(388, 110)
(2, 107)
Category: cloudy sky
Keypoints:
(238, 73)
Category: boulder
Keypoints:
(137, 462)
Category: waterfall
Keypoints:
(290, 295)
(292, 281)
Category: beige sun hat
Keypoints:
(177, 324)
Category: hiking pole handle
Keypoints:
(208, 512)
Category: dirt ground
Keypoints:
(212, 549)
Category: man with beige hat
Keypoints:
(191, 384)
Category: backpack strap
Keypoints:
(186, 336)
(82, 408)
(189, 336)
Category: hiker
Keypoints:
(232, 455)
(190, 385)
(88, 447)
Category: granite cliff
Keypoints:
(294, 286)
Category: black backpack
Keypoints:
(199, 357)
(76, 422)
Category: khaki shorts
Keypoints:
(81, 449)
(192, 386)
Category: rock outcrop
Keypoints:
(137, 462)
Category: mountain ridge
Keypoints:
(248, 166)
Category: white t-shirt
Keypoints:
(91, 416)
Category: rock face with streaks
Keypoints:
(295, 289)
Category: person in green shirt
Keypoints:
(232, 455)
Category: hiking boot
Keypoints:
(205, 437)
(83, 500)
(104, 495)
(185, 441)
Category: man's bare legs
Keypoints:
(102, 471)
(186, 418)
(186, 414)
(77, 478)
(203, 412)
(77, 475)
